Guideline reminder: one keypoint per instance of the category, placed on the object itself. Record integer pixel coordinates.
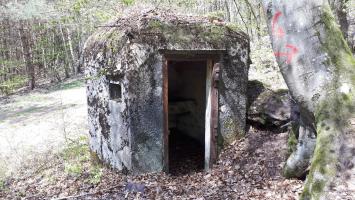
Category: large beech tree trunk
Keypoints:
(319, 69)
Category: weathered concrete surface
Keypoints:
(128, 134)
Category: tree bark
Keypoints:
(298, 162)
(2, 54)
(71, 52)
(64, 51)
(319, 69)
(25, 37)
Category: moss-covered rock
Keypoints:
(270, 108)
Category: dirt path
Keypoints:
(39, 122)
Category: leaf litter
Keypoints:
(250, 168)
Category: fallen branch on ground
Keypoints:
(89, 194)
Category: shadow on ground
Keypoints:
(18, 115)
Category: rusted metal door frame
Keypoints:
(214, 113)
(211, 119)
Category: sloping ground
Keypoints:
(34, 124)
(33, 131)
(248, 169)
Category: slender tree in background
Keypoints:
(319, 69)
(25, 34)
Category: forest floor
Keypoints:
(248, 169)
(50, 167)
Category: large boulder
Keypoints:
(268, 108)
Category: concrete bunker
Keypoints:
(164, 90)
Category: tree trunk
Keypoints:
(54, 64)
(64, 51)
(25, 36)
(299, 161)
(2, 54)
(319, 70)
(71, 52)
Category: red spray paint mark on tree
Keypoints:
(277, 31)
(289, 54)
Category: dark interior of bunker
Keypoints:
(187, 104)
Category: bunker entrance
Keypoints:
(186, 115)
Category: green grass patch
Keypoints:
(3, 171)
(77, 161)
(36, 98)
(77, 150)
(70, 85)
(9, 86)
(75, 155)
(128, 2)
(2, 184)
(96, 172)
(73, 169)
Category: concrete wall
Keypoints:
(109, 133)
(146, 116)
(232, 95)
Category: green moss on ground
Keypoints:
(291, 147)
(291, 143)
(69, 85)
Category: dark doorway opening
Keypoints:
(186, 115)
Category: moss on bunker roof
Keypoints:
(166, 29)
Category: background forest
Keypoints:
(42, 41)
(44, 150)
